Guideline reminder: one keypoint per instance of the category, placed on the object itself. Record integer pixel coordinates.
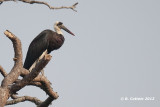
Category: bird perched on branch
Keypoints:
(45, 42)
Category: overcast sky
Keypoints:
(115, 53)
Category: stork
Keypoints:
(45, 42)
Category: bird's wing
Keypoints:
(36, 48)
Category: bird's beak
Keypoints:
(64, 28)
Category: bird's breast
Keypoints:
(59, 41)
(56, 42)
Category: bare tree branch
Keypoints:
(35, 100)
(17, 47)
(14, 96)
(44, 3)
(24, 98)
(16, 70)
(46, 86)
(3, 72)
(37, 84)
(4, 95)
(34, 73)
(43, 82)
(46, 103)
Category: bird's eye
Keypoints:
(60, 23)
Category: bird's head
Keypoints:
(59, 25)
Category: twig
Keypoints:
(3, 72)
(45, 3)
(24, 98)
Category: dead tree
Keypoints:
(11, 84)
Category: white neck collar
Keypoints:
(58, 30)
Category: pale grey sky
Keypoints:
(114, 54)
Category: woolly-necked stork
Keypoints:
(46, 41)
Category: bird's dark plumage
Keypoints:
(47, 39)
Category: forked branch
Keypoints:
(45, 3)
(34, 73)
(14, 73)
